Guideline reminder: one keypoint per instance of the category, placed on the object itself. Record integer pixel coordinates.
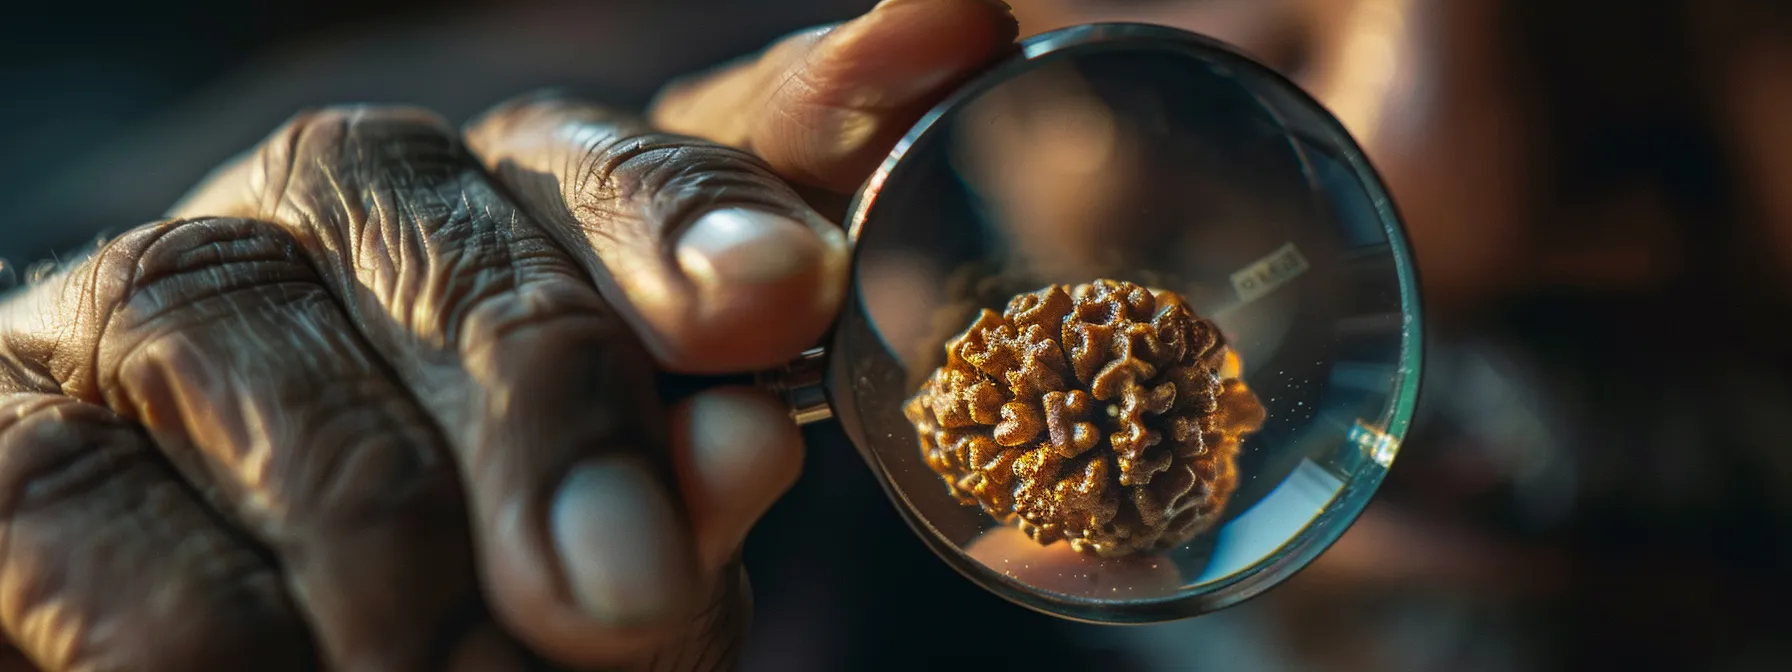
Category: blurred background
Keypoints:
(1599, 192)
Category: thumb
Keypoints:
(824, 106)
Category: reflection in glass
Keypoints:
(1147, 156)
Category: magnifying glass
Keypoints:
(1134, 329)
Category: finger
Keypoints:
(545, 397)
(722, 267)
(737, 451)
(825, 106)
(220, 339)
(109, 562)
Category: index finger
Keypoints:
(824, 106)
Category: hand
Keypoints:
(380, 396)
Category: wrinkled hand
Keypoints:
(380, 397)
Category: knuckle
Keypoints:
(642, 165)
(322, 156)
(55, 450)
(564, 309)
(394, 133)
(374, 461)
(177, 601)
(158, 277)
(667, 179)
(194, 258)
(164, 278)
(348, 120)
(395, 212)
(571, 349)
(149, 621)
(78, 484)
(473, 275)
(219, 337)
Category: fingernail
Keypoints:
(738, 246)
(622, 545)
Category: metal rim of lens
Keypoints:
(1344, 508)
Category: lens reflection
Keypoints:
(1142, 155)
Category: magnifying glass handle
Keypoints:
(798, 384)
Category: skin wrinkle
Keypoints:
(482, 249)
(268, 493)
(330, 238)
(442, 274)
(460, 269)
(56, 626)
(466, 212)
(581, 164)
(72, 473)
(608, 180)
(211, 472)
(274, 195)
(416, 438)
(445, 273)
(153, 327)
(23, 412)
(485, 250)
(532, 309)
(397, 244)
(88, 305)
(590, 178)
(487, 289)
(246, 299)
(337, 481)
(600, 186)
(357, 403)
(19, 372)
(85, 384)
(752, 144)
(700, 186)
(413, 271)
(424, 225)
(683, 184)
(180, 325)
(186, 462)
(265, 298)
(363, 225)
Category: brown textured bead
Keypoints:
(1098, 413)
